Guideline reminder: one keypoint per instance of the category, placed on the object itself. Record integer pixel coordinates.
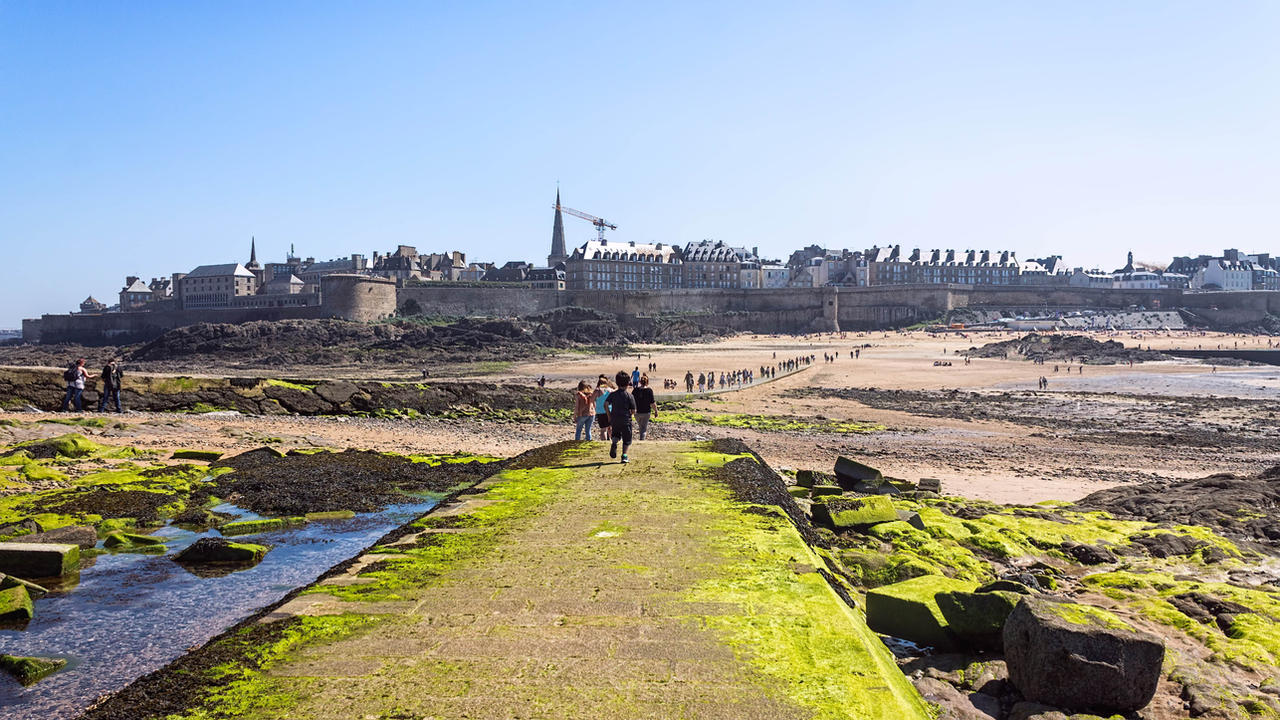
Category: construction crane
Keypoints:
(600, 223)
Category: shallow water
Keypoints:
(132, 613)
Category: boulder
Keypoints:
(30, 670)
(848, 513)
(851, 472)
(798, 491)
(1086, 554)
(909, 610)
(1080, 657)
(826, 490)
(81, 535)
(911, 518)
(336, 391)
(34, 590)
(15, 605)
(1005, 585)
(933, 485)
(121, 540)
(805, 478)
(205, 455)
(219, 550)
(38, 560)
(977, 618)
(1035, 711)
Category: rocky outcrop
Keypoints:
(1080, 657)
(43, 389)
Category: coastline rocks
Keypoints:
(81, 535)
(1080, 657)
(219, 550)
(30, 670)
(909, 610)
(120, 540)
(977, 619)
(38, 560)
(15, 605)
(848, 513)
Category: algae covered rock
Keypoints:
(38, 560)
(205, 455)
(15, 605)
(826, 490)
(1080, 657)
(851, 472)
(805, 478)
(34, 590)
(977, 618)
(798, 491)
(848, 513)
(83, 536)
(220, 550)
(909, 610)
(30, 670)
(246, 527)
(121, 540)
(331, 515)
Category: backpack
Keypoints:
(72, 373)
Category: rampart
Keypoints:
(790, 310)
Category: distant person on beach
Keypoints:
(75, 376)
(583, 414)
(635, 377)
(688, 381)
(111, 377)
(542, 381)
(598, 398)
(646, 405)
(621, 406)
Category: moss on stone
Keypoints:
(30, 670)
(769, 423)
(246, 527)
(122, 540)
(15, 605)
(1078, 614)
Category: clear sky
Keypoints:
(143, 138)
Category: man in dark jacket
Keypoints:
(111, 377)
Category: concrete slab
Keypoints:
(33, 561)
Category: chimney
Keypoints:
(130, 280)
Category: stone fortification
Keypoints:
(790, 310)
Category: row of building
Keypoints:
(602, 264)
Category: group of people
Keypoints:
(612, 406)
(76, 377)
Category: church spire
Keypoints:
(558, 254)
(253, 255)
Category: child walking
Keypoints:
(621, 407)
(582, 411)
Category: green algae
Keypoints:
(1078, 614)
(770, 423)
(509, 496)
(30, 670)
(305, 387)
(808, 634)
(246, 527)
(242, 688)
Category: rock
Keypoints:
(330, 515)
(15, 605)
(933, 485)
(1080, 657)
(1165, 545)
(977, 619)
(1088, 554)
(219, 550)
(850, 472)
(336, 391)
(30, 670)
(825, 490)
(244, 527)
(911, 518)
(909, 610)
(798, 491)
(955, 705)
(34, 590)
(1035, 711)
(990, 677)
(122, 540)
(205, 455)
(1005, 586)
(804, 478)
(81, 535)
(38, 560)
(848, 513)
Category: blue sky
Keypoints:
(149, 137)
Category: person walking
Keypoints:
(598, 398)
(621, 407)
(688, 381)
(582, 412)
(75, 376)
(111, 377)
(646, 405)
(635, 377)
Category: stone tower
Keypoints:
(558, 254)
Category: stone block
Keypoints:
(849, 513)
(81, 535)
(205, 455)
(851, 472)
(909, 610)
(798, 491)
(930, 485)
(804, 478)
(826, 490)
(911, 518)
(977, 619)
(34, 590)
(38, 560)
(15, 605)
(1080, 657)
